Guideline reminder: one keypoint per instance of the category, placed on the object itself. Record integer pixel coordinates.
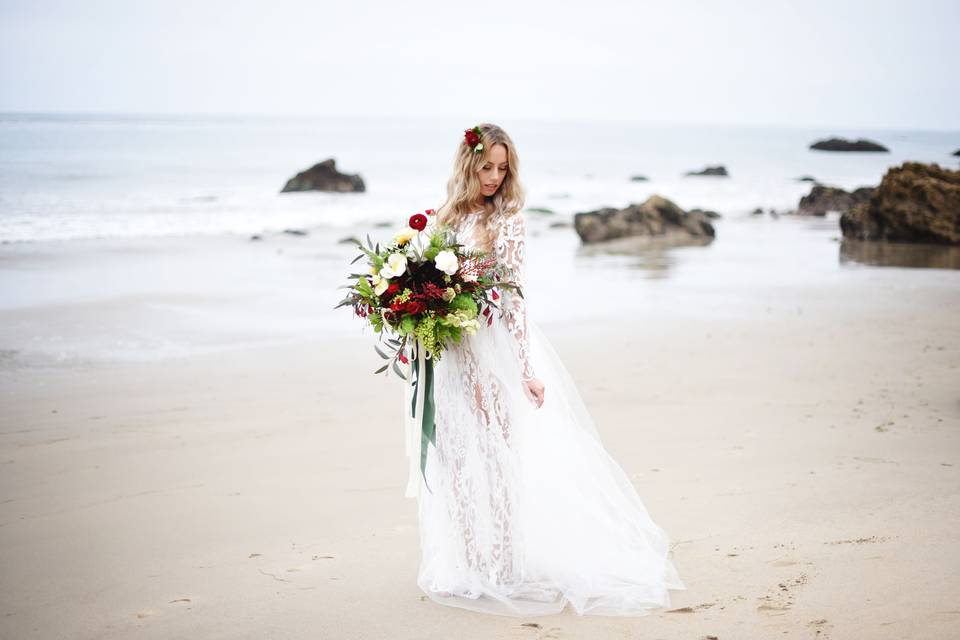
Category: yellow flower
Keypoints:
(405, 236)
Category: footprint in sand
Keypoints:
(537, 631)
(821, 628)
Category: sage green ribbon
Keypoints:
(427, 425)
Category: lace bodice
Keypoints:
(510, 249)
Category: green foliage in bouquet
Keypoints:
(424, 285)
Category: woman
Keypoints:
(526, 511)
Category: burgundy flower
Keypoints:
(418, 221)
(471, 137)
(429, 212)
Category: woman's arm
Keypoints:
(511, 252)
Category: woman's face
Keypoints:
(493, 170)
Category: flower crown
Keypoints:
(472, 138)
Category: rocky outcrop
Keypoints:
(704, 212)
(841, 144)
(957, 152)
(718, 170)
(822, 199)
(656, 219)
(324, 177)
(915, 202)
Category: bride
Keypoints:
(524, 510)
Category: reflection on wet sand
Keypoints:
(899, 254)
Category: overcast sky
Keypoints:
(812, 63)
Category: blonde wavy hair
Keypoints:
(463, 188)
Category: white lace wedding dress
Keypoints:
(526, 511)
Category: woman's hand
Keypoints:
(535, 388)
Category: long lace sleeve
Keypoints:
(511, 252)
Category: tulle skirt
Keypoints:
(524, 510)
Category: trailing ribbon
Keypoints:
(420, 424)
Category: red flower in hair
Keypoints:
(472, 138)
(429, 212)
(418, 221)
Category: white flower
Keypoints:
(478, 148)
(381, 286)
(396, 265)
(447, 262)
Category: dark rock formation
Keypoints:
(704, 212)
(638, 178)
(822, 199)
(957, 152)
(806, 179)
(841, 144)
(915, 202)
(324, 177)
(657, 219)
(718, 170)
(295, 232)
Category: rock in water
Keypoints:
(718, 170)
(915, 202)
(656, 219)
(324, 177)
(822, 199)
(841, 144)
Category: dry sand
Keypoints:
(804, 461)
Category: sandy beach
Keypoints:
(801, 451)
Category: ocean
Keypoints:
(128, 238)
(65, 177)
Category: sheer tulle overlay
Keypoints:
(526, 511)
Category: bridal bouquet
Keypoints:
(424, 290)
(423, 285)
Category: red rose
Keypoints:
(414, 306)
(429, 212)
(418, 221)
(471, 137)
